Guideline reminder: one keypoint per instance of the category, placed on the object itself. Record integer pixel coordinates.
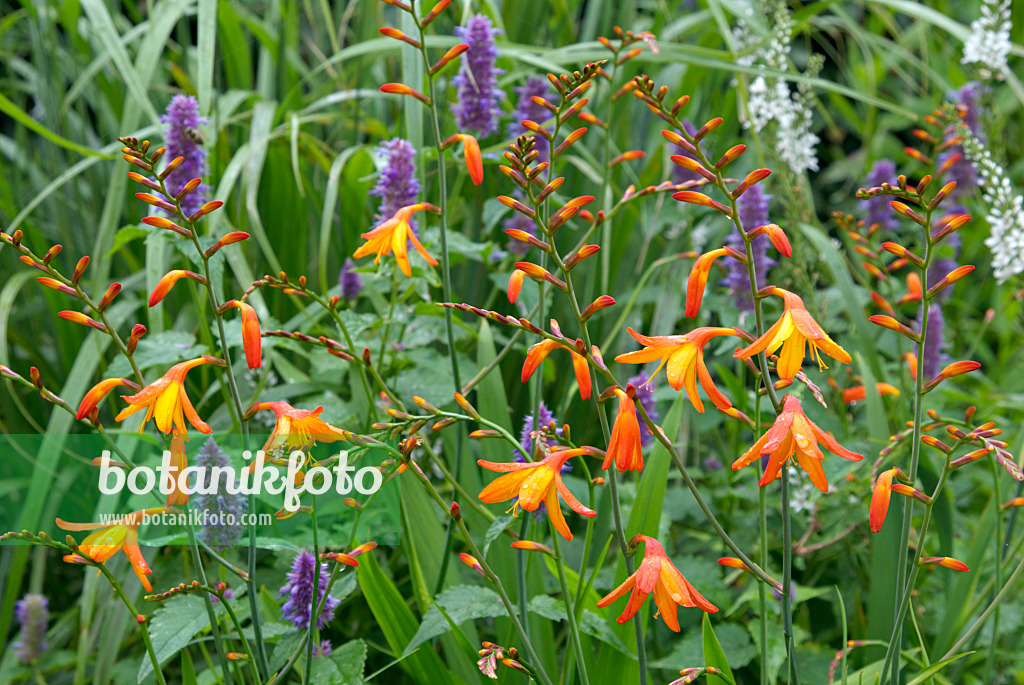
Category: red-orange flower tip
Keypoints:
(251, 336)
(791, 332)
(474, 160)
(165, 284)
(733, 562)
(880, 500)
(698, 280)
(656, 574)
(793, 434)
(945, 562)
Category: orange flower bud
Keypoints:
(471, 562)
(908, 212)
(138, 330)
(707, 128)
(893, 325)
(733, 562)
(161, 222)
(950, 278)
(777, 237)
(955, 369)
(880, 500)
(432, 15)
(882, 303)
(702, 200)
(79, 271)
(698, 279)
(515, 284)
(399, 35)
(98, 392)
(627, 157)
(537, 273)
(228, 239)
(569, 140)
(209, 207)
(731, 155)
(109, 296)
(753, 178)
(402, 89)
(530, 546)
(945, 562)
(1015, 502)
(79, 318)
(54, 284)
(600, 303)
(165, 284)
(157, 202)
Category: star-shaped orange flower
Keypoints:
(657, 574)
(395, 234)
(165, 401)
(534, 483)
(108, 538)
(794, 328)
(684, 355)
(793, 434)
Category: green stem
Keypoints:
(902, 584)
(985, 614)
(570, 614)
(315, 601)
(762, 589)
(135, 613)
(787, 580)
(991, 657)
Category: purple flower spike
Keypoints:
(753, 207)
(223, 510)
(349, 281)
(32, 612)
(397, 184)
(299, 592)
(645, 393)
(476, 107)
(527, 109)
(183, 140)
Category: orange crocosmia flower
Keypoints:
(880, 499)
(794, 328)
(98, 392)
(657, 574)
(533, 483)
(684, 355)
(624, 448)
(178, 463)
(165, 400)
(297, 428)
(539, 352)
(394, 234)
(108, 538)
(251, 337)
(794, 434)
(859, 393)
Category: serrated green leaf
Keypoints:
(350, 659)
(496, 529)
(461, 603)
(591, 624)
(172, 627)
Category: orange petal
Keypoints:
(582, 371)
(698, 280)
(880, 500)
(515, 284)
(474, 161)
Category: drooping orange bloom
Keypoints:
(794, 434)
(539, 352)
(474, 160)
(98, 392)
(533, 483)
(698, 279)
(657, 574)
(251, 337)
(859, 393)
(178, 462)
(296, 428)
(945, 562)
(684, 355)
(624, 447)
(880, 499)
(794, 328)
(165, 400)
(111, 537)
(394, 234)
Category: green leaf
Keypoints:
(168, 347)
(350, 659)
(936, 667)
(398, 623)
(125, 236)
(22, 117)
(713, 654)
(496, 529)
(172, 627)
(554, 610)
(461, 603)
